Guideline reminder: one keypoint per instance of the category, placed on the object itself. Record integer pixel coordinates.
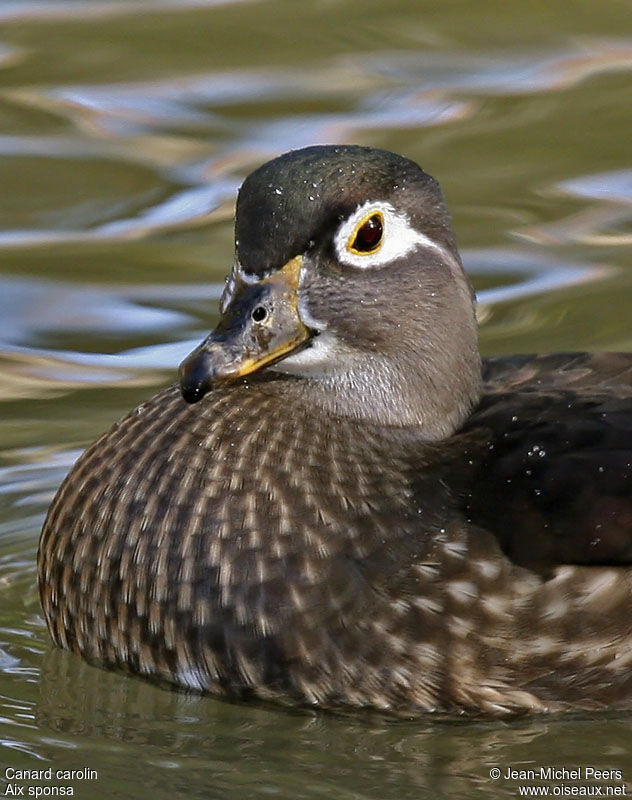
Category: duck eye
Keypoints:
(368, 235)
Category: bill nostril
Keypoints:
(259, 314)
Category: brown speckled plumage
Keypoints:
(261, 543)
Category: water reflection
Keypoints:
(129, 122)
(71, 9)
(234, 748)
(597, 225)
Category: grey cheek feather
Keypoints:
(305, 314)
(321, 358)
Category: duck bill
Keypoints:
(259, 326)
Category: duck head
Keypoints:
(347, 276)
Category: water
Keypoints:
(125, 128)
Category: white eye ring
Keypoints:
(398, 237)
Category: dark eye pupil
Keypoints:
(369, 235)
(259, 314)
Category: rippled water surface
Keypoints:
(125, 128)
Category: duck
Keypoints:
(340, 505)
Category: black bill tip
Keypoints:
(195, 376)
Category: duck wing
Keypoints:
(545, 460)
